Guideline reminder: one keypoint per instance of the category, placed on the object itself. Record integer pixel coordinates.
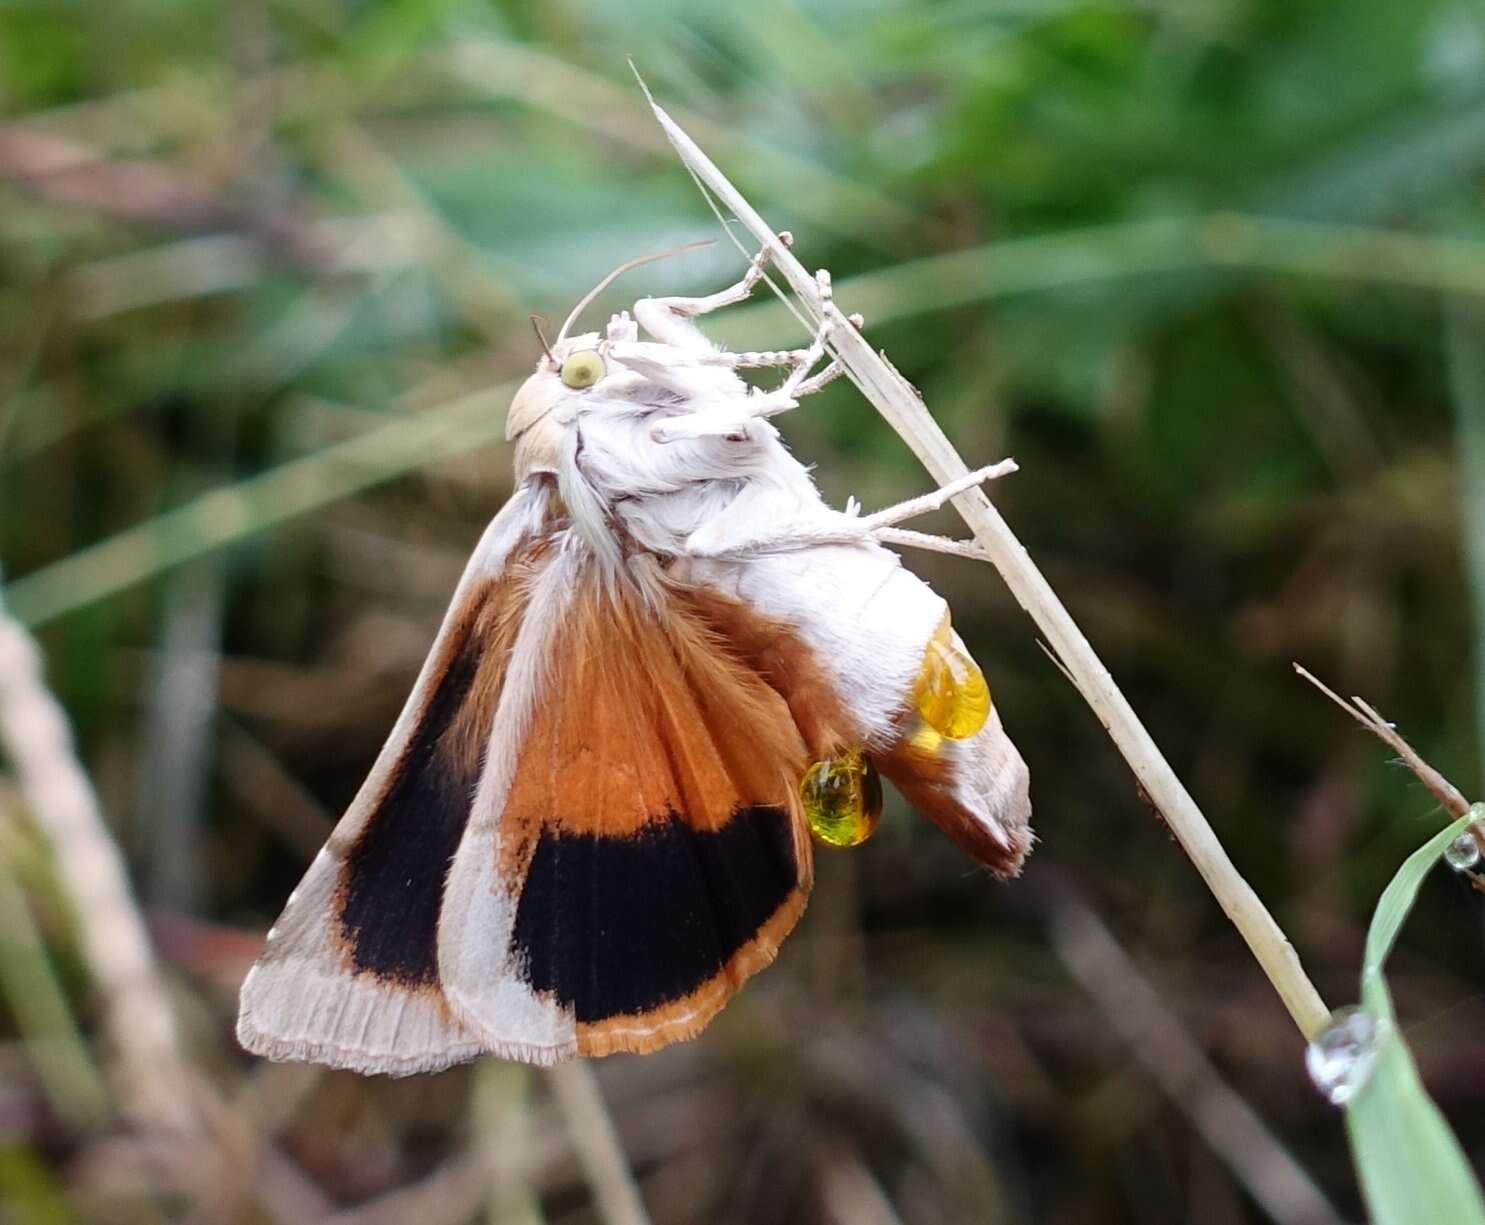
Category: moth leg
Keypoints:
(764, 358)
(669, 320)
(828, 375)
(927, 502)
(787, 395)
(704, 425)
(733, 533)
(789, 388)
(840, 531)
(800, 382)
(904, 538)
(760, 405)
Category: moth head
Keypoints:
(580, 367)
(570, 368)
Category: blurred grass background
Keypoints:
(1209, 269)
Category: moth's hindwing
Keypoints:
(975, 790)
(648, 854)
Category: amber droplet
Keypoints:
(924, 739)
(842, 799)
(951, 694)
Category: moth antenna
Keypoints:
(620, 271)
(541, 339)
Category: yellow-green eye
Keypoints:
(582, 369)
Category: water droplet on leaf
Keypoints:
(1341, 1059)
(842, 799)
(1463, 853)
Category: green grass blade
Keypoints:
(1411, 1167)
(30, 986)
(237, 511)
(1465, 341)
(30, 1193)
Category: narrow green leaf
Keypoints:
(1465, 344)
(235, 512)
(29, 1192)
(1412, 1169)
(29, 984)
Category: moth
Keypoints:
(667, 664)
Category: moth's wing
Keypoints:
(643, 853)
(862, 622)
(976, 790)
(349, 974)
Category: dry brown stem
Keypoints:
(1440, 787)
(575, 1086)
(154, 1082)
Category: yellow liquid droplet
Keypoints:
(925, 739)
(951, 694)
(842, 799)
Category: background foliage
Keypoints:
(1206, 268)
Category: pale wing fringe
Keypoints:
(301, 1001)
(903, 409)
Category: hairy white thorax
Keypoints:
(666, 443)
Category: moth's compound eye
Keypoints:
(583, 369)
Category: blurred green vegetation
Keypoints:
(1207, 268)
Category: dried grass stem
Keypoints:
(154, 1082)
(903, 409)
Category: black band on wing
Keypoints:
(393, 879)
(620, 926)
